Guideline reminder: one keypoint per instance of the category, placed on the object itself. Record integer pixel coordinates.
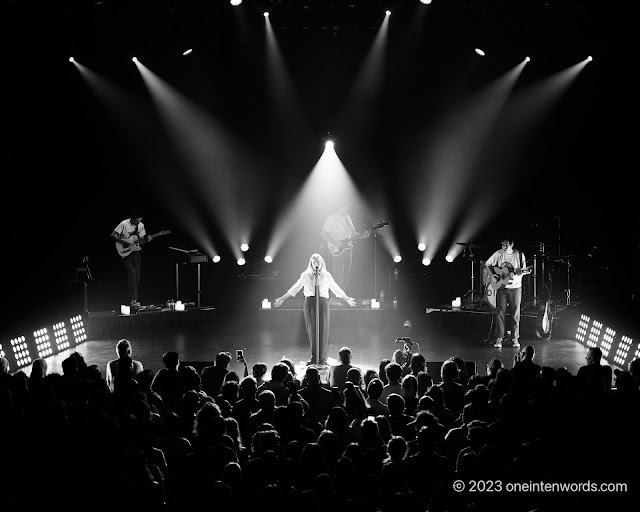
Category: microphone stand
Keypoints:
(317, 296)
(375, 265)
(375, 262)
(85, 284)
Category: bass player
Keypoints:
(506, 266)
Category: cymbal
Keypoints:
(473, 245)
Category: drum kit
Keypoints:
(473, 297)
(549, 265)
(537, 288)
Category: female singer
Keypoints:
(316, 276)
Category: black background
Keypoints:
(71, 175)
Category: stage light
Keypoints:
(187, 52)
(268, 259)
(244, 247)
(594, 333)
(527, 59)
(241, 261)
(397, 258)
(134, 59)
(60, 335)
(607, 341)
(21, 353)
(125, 309)
(71, 59)
(387, 12)
(422, 246)
(235, 3)
(589, 58)
(449, 258)
(425, 2)
(266, 14)
(77, 329)
(426, 262)
(479, 52)
(43, 345)
(623, 350)
(216, 259)
(328, 144)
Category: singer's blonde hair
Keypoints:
(316, 257)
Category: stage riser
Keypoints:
(481, 322)
(106, 324)
(345, 317)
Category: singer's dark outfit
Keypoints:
(325, 283)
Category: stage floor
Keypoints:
(267, 336)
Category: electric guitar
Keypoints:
(347, 244)
(136, 243)
(504, 275)
(546, 314)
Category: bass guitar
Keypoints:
(546, 316)
(347, 244)
(137, 243)
(504, 275)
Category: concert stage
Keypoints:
(267, 334)
(362, 315)
(477, 319)
(99, 323)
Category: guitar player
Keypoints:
(338, 231)
(127, 233)
(507, 264)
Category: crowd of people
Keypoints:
(393, 438)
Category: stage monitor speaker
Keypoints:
(433, 369)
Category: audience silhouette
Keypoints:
(165, 440)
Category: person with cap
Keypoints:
(127, 235)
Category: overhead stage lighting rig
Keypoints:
(329, 140)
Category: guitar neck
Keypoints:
(156, 235)
(523, 270)
(144, 240)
